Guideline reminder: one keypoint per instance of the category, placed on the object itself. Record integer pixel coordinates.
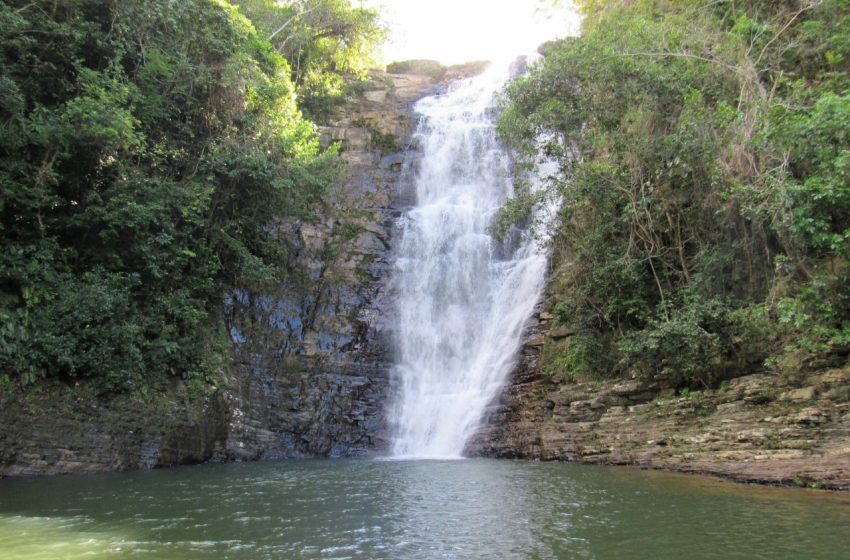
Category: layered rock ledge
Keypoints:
(757, 428)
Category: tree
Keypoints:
(705, 217)
(146, 150)
(326, 42)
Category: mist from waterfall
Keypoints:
(462, 297)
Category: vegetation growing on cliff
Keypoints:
(704, 155)
(146, 150)
(329, 45)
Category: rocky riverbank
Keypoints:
(758, 428)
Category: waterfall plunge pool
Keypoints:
(474, 508)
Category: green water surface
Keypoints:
(415, 509)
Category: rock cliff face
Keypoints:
(312, 375)
(59, 430)
(756, 428)
(310, 359)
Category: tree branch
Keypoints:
(810, 6)
(290, 20)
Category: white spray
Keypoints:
(462, 304)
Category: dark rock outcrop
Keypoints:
(313, 371)
(310, 373)
(307, 414)
(60, 429)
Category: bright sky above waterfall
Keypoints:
(454, 31)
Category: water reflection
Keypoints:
(416, 510)
(452, 509)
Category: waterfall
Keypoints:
(462, 297)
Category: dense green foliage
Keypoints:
(329, 44)
(146, 149)
(704, 152)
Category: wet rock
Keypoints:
(307, 414)
(391, 161)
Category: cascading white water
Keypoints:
(461, 308)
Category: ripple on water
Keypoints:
(416, 510)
